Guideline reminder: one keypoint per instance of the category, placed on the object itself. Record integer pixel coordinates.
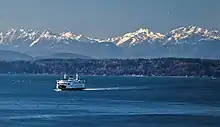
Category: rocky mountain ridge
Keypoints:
(193, 40)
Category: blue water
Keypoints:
(110, 101)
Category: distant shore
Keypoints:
(137, 76)
(158, 67)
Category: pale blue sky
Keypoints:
(106, 18)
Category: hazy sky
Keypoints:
(106, 18)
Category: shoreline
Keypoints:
(137, 76)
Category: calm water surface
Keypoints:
(110, 101)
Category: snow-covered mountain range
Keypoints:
(186, 41)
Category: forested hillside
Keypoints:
(145, 67)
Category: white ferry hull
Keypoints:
(71, 89)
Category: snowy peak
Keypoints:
(133, 38)
(48, 34)
(187, 29)
(192, 33)
(68, 35)
(13, 34)
(45, 35)
(184, 34)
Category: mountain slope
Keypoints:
(12, 56)
(186, 41)
(64, 56)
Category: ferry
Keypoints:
(69, 83)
